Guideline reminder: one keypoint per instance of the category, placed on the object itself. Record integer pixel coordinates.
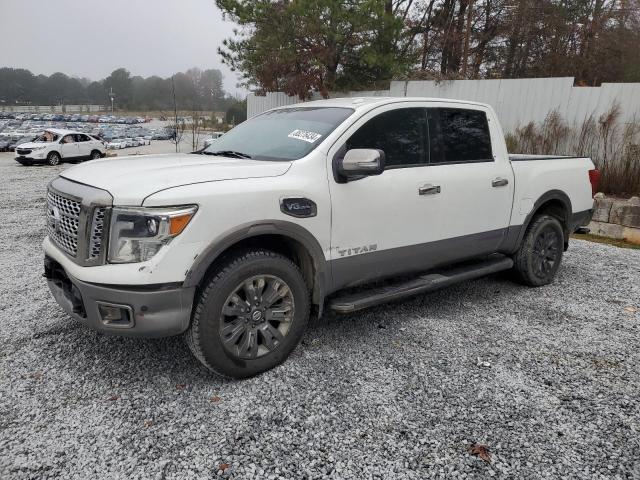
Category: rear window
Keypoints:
(458, 136)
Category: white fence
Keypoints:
(52, 108)
(516, 101)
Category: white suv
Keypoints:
(56, 146)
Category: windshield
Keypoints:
(285, 134)
(46, 137)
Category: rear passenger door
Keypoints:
(474, 179)
(84, 144)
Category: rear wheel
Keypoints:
(53, 159)
(537, 260)
(250, 315)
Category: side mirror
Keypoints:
(362, 162)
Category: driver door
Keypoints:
(380, 223)
(84, 145)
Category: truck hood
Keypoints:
(131, 179)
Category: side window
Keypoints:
(459, 135)
(401, 134)
(82, 138)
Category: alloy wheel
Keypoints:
(257, 316)
(54, 159)
(546, 252)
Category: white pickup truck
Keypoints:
(236, 246)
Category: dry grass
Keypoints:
(613, 146)
(605, 240)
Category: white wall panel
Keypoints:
(516, 101)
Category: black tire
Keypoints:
(53, 159)
(537, 260)
(225, 291)
(95, 154)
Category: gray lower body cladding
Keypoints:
(360, 269)
(156, 311)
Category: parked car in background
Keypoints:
(56, 146)
(212, 138)
(19, 140)
(115, 145)
(4, 143)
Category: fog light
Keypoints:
(118, 316)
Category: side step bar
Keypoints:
(424, 283)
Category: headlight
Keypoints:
(38, 148)
(137, 234)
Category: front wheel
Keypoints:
(250, 314)
(538, 258)
(53, 159)
(95, 155)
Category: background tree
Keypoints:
(302, 46)
(122, 85)
(196, 89)
(236, 113)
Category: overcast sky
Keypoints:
(91, 38)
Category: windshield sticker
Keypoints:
(304, 135)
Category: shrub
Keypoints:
(613, 146)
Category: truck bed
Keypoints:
(522, 157)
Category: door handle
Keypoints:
(429, 189)
(499, 182)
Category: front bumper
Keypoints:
(24, 160)
(153, 311)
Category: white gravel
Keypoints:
(548, 379)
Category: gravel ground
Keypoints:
(547, 378)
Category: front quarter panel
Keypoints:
(225, 206)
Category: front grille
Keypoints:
(97, 231)
(23, 151)
(63, 221)
(78, 220)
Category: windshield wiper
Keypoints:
(227, 153)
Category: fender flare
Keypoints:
(512, 242)
(322, 275)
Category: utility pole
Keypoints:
(111, 96)
(175, 111)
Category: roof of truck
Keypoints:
(368, 102)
